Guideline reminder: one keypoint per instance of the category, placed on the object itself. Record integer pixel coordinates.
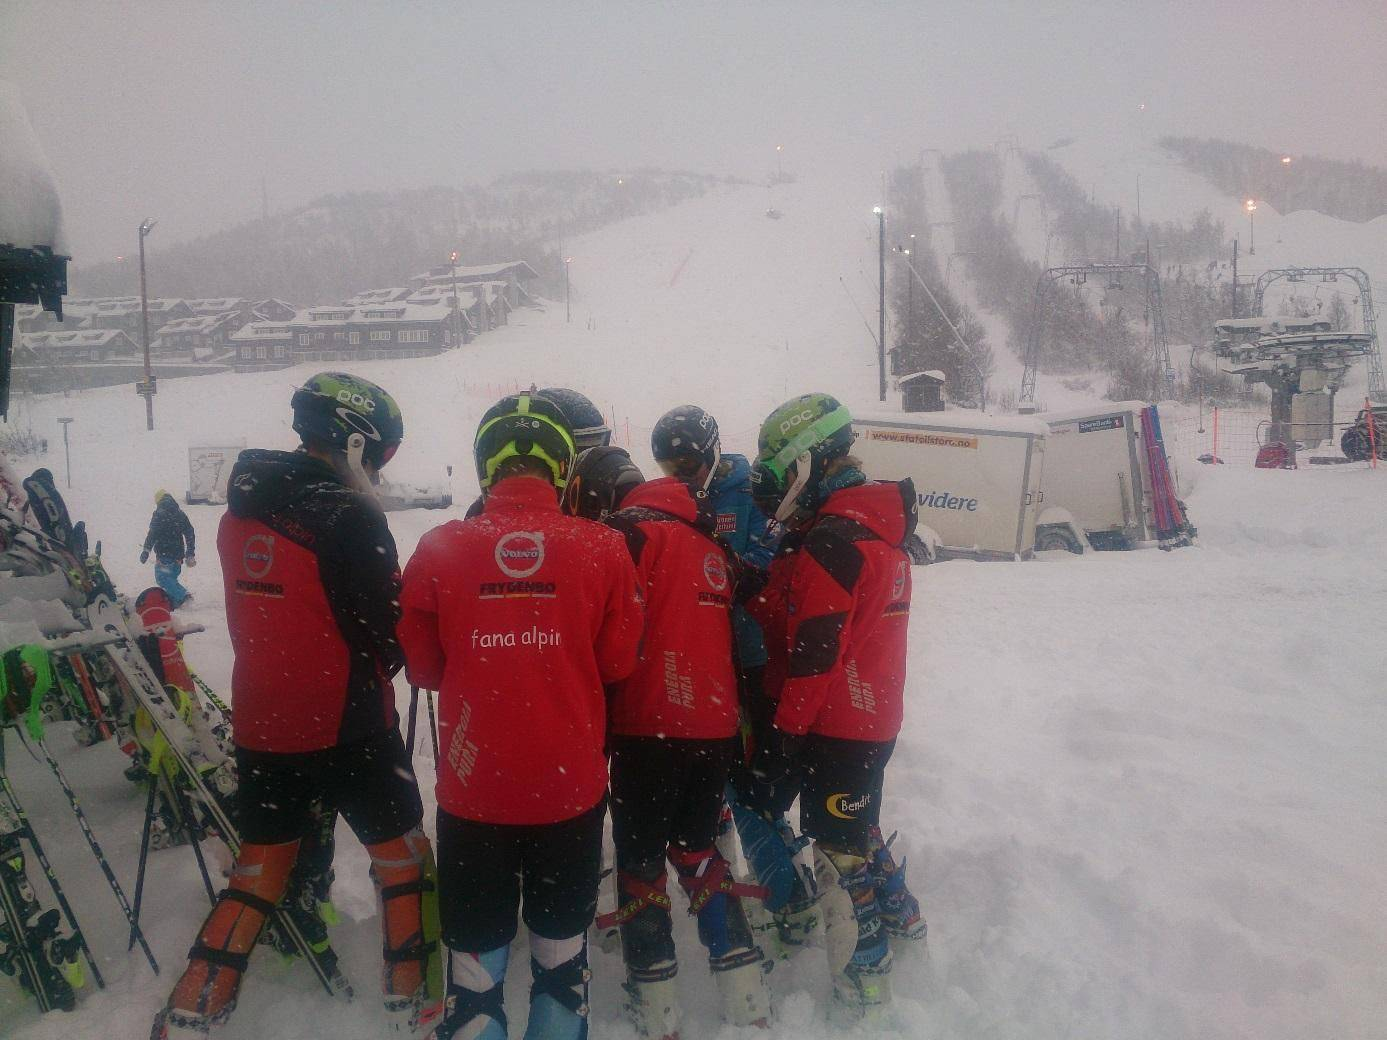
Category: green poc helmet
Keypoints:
(524, 425)
(343, 412)
(807, 433)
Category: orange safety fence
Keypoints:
(1235, 435)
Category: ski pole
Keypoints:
(433, 726)
(211, 695)
(413, 712)
(195, 835)
(144, 856)
(100, 856)
(47, 867)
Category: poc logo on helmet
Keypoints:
(798, 419)
(356, 400)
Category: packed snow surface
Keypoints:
(1141, 794)
(30, 213)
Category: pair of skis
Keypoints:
(190, 752)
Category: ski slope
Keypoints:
(1140, 793)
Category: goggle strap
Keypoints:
(804, 464)
(509, 451)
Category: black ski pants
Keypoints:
(667, 792)
(484, 868)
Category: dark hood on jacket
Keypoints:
(738, 474)
(887, 508)
(264, 481)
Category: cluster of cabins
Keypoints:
(442, 308)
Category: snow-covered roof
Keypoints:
(30, 212)
(261, 331)
(83, 338)
(162, 305)
(322, 315)
(200, 323)
(401, 312)
(432, 294)
(361, 299)
(476, 273)
(958, 419)
(933, 374)
(216, 304)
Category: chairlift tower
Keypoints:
(1163, 375)
(1377, 388)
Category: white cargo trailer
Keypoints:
(209, 469)
(1097, 472)
(977, 478)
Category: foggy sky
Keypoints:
(177, 110)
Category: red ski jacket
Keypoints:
(312, 580)
(518, 617)
(684, 685)
(835, 613)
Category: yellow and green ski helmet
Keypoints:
(524, 424)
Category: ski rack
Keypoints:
(108, 618)
(1163, 375)
(1377, 387)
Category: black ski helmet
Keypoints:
(589, 427)
(331, 408)
(523, 424)
(602, 477)
(686, 431)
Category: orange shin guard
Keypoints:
(398, 868)
(219, 956)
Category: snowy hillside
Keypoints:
(1140, 793)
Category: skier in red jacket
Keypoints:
(312, 581)
(673, 741)
(835, 612)
(519, 617)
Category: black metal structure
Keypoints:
(1377, 389)
(36, 275)
(1163, 375)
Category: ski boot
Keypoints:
(647, 947)
(772, 852)
(559, 993)
(900, 910)
(859, 955)
(38, 946)
(407, 893)
(735, 961)
(206, 993)
(475, 1009)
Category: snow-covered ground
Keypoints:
(1141, 794)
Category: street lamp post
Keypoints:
(567, 308)
(910, 295)
(67, 454)
(1251, 206)
(146, 389)
(457, 303)
(779, 173)
(881, 300)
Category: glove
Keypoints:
(776, 757)
(191, 561)
(144, 556)
(751, 581)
